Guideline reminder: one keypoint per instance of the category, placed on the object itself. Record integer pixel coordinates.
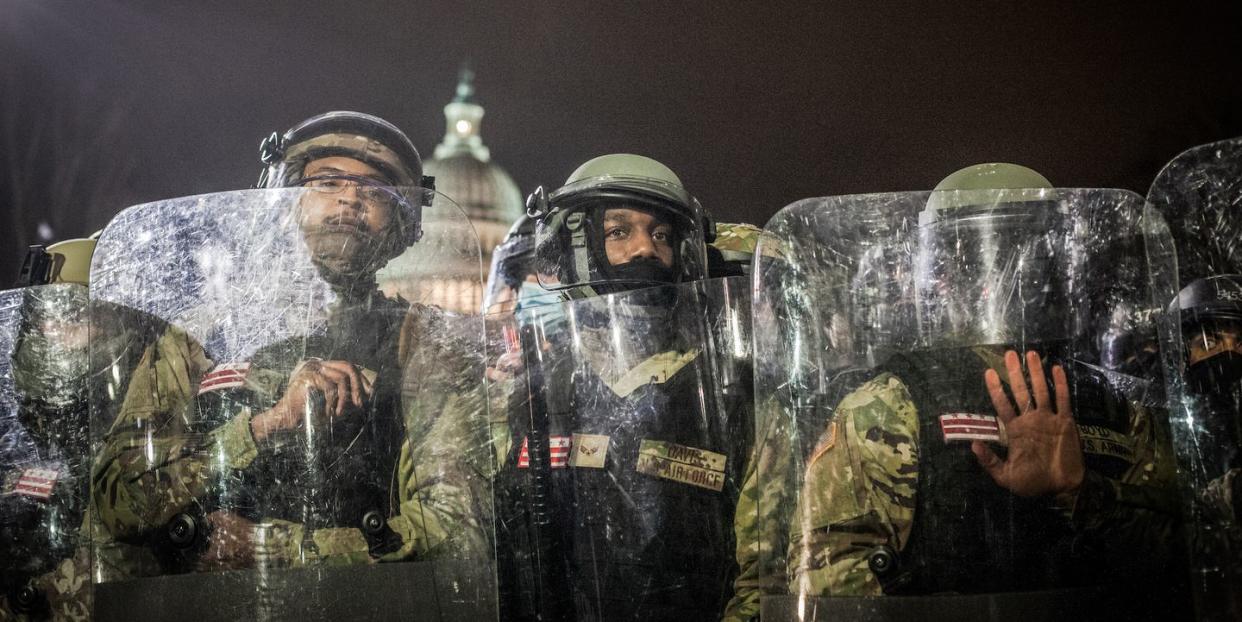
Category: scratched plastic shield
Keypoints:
(1200, 195)
(298, 426)
(876, 317)
(627, 426)
(44, 463)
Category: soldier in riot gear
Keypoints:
(307, 450)
(926, 478)
(630, 428)
(44, 459)
(1211, 323)
(1197, 195)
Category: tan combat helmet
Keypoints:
(68, 261)
(993, 182)
(71, 261)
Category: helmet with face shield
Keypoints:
(620, 222)
(986, 270)
(389, 175)
(357, 135)
(1211, 320)
(51, 348)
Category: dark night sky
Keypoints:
(104, 104)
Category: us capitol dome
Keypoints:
(465, 173)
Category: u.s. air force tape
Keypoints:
(688, 465)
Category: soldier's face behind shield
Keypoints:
(1212, 339)
(1214, 356)
(51, 356)
(345, 221)
(636, 235)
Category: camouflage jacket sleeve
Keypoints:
(1138, 511)
(66, 588)
(857, 493)
(442, 483)
(152, 466)
(760, 526)
(1219, 497)
(440, 487)
(438, 492)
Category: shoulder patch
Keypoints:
(226, 376)
(972, 427)
(558, 449)
(35, 483)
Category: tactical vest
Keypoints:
(343, 477)
(969, 534)
(641, 522)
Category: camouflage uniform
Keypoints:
(758, 528)
(860, 485)
(436, 458)
(638, 538)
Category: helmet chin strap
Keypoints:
(576, 223)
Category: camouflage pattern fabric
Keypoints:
(858, 492)
(67, 589)
(736, 238)
(876, 437)
(1219, 496)
(154, 464)
(735, 246)
(758, 524)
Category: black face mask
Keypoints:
(641, 272)
(1214, 375)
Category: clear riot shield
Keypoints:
(628, 425)
(1200, 195)
(300, 436)
(909, 465)
(44, 465)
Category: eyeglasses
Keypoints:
(369, 190)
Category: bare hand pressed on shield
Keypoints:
(319, 390)
(1045, 455)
